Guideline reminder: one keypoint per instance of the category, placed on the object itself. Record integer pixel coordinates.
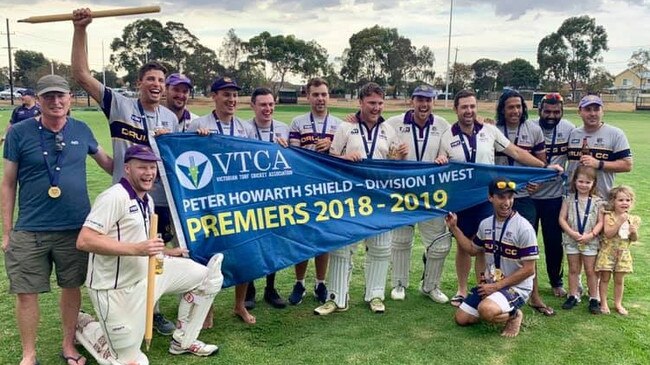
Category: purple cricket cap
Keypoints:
(590, 99)
(140, 152)
(177, 79)
(424, 91)
(224, 83)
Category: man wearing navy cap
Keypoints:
(609, 149)
(177, 90)
(508, 244)
(29, 109)
(222, 119)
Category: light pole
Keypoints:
(146, 55)
(451, 12)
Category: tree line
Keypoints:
(377, 54)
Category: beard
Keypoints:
(548, 123)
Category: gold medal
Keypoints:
(498, 275)
(54, 192)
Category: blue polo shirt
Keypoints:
(36, 210)
(22, 112)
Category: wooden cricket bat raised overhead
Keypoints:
(96, 14)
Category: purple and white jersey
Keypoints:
(371, 143)
(476, 148)
(306, 129)
(275, 130)
(557, 147)
(608, 143)
(236, 127)
(518, 243)
(186, 120)
(423, 143)
(131, 124)
(527, 136)
(118, 213)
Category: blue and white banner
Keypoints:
(266, 207)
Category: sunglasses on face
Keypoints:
(503, 184)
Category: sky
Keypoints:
(496, 29)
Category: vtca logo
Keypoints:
(194, 170)
(243, 162)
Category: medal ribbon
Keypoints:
(582, 223)
(313, 126)
(259, 136)
(497, 244)
(371, 151)
(419, 153)
(511, 161)
(220, 127)
(470, 152)
(53, 173)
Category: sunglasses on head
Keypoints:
(553, 96)
(503, 184)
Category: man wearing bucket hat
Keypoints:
(599, 145)
(45, 167)
(509, 245)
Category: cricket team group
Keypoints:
(106, 246)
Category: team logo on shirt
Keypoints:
(194, 170)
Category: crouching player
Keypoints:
(115, 235)
(509, 245)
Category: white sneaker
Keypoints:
(398, 293)
(328, 308)
(438, 296)
(197, 348)
(435, 294)
(377, 306)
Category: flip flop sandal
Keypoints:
(67, 359)
(456, 300)
(543, 309)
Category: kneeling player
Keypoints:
(509, 245)
(115, 233)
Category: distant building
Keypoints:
(630, 83)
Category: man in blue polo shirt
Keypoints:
(28, 109)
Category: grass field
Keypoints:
(415, 331)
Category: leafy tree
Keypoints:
(202, 66)
(486, 72)
(519, 74)
(112, 80)
(183, 43)
(599, 81)
(461, 77)
(421, 69)
(640, 62)
(232, 51)
(569, 53)
(287, 55)
(27, 65)
(378, 54)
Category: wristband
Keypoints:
(601, 165)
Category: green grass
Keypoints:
(415, 331)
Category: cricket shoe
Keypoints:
(398, 293)
(328, 308)
(197, 348)
(297, 293)
(377, 306)
(435, 294)
(320, 292)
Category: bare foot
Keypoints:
(209, 318)
(243, 314)
(604, 310)
(559, 292)
(621, 310)
(513, 325)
